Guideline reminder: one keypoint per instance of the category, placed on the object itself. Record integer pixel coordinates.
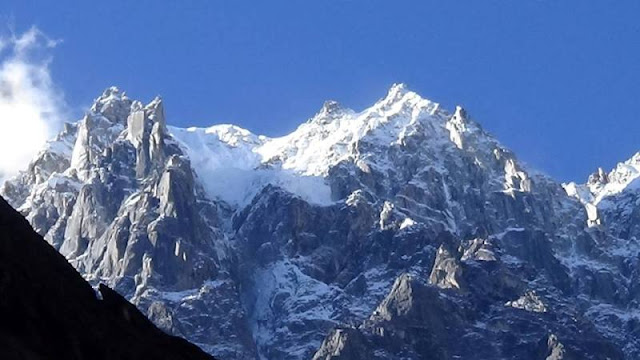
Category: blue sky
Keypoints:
(556, 81)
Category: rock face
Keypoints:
(401, 231)
(128, 212)
(446, 272)
(49, 312)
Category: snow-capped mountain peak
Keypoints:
(303, 156)
(601, 185)
(399, 96)
(396, 92)
(626, 173)
(330, 110)
(114, 104)
(336, 135)
(405, 222)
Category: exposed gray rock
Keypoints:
(530, 301)
(555, 349)
(446, 272)
(478, 249)
(344, 343)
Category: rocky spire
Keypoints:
(113, 104)
(446, 272)
(146, 131)
(457, 126)
(599, 177)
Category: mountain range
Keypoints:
(403, 231)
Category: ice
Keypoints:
(229, 166)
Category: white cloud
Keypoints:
(31, 106)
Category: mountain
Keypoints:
(398, 232)
(48, 311)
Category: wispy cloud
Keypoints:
(31, 106)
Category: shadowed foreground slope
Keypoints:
(48, 311)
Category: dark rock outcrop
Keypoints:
(49, 311)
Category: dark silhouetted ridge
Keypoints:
(48, 311)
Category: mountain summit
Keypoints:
(397, 232)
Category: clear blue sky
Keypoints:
(556, 81)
